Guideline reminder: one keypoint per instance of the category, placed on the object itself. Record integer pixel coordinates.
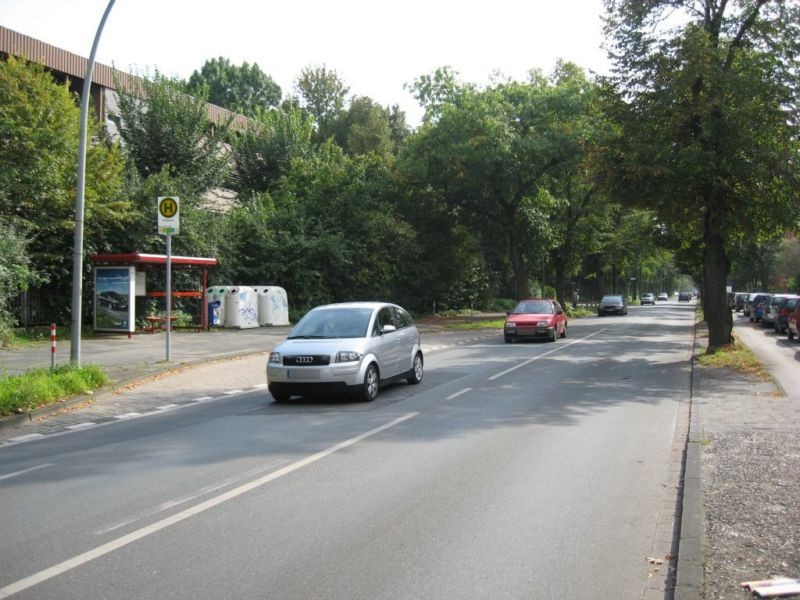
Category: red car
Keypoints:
(536, 318)
(793, 328)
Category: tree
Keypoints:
(363, 128)
(265, 151)
(39, 130)
(15, 274)
(489, 153)
(163, 127)
(709, 131)
(322, 93)
(244, 89)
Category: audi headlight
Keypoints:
(346, 356)
(274, 358)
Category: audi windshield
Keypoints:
(332, 323)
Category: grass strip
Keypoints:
(21, 393)
(734, 356)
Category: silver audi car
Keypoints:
(348, 348)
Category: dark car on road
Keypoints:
(535, 318)
(612, 305)
(739, 301)
(684, 297)
(757, 306)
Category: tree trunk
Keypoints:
(558, 264)
(715, 276)
(518, 263)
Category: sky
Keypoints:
(375, 47)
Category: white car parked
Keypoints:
(349, 348)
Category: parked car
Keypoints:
(348, 348)
(662, 296)
(535, 318)
(793, 323)
(738, 301)
(757, 306)
(684, 297)
(771, 309)
(648, 299)
(747, 304)
(785, 308)
(612, 304)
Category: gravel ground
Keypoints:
(751, 484)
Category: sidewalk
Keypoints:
(741, 500)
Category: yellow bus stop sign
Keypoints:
(168, 215)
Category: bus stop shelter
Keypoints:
(149, 262)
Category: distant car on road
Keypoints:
(348, 348)
(648, 299)
(662, 296)
(535, 318)
(612, 304)
(684, 297)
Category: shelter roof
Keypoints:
(133, 259)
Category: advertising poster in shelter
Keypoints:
(114, 306)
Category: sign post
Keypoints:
(168, 224)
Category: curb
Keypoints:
(16, 420)
(689, 580)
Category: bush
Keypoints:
(21, 393)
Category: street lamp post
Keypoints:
(77, 250)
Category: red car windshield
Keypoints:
(534, 307)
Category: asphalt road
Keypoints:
(530, 470)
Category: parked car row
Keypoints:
(779, 311)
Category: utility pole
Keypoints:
(77, 250)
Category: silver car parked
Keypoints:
(348, 348)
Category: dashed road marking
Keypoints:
(129, 415)
(23, 471)
(457, 394)
(83, 425)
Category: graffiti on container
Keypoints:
(248, 313)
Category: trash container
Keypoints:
(214, 313)
(241, 308)
(273, 306)
(217, 293)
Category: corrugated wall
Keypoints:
(56, 59)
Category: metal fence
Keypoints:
(40, 308)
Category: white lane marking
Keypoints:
(27, 438)
(81, 425)
(260, 386)
(167, 406)
(129, 415)
(232, 392)
(202, 492)
(202, 399)
(530, 360)
(76, 561)
(23, 471)
(457, 394)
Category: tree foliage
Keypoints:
(490, 154)
(265, 151)
(709, 135)
(39, 129)
(322, 93)
(244, 89)
(163, 127)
